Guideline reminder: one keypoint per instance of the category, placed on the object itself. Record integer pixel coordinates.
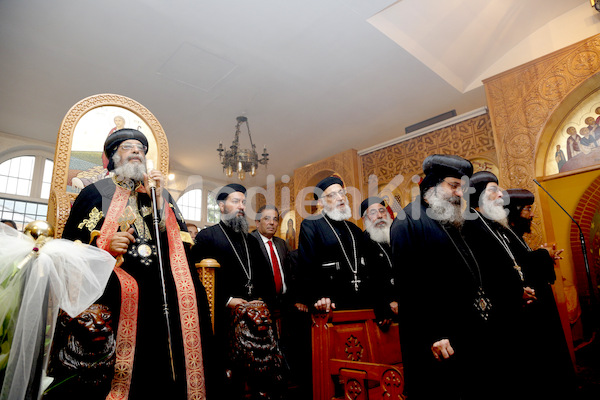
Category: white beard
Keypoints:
(494, 210)
(444, 207)
(132, 171)
(336, 214)
(380, 234)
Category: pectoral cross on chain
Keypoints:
(126, 219)
(356, 281)
(249, 287)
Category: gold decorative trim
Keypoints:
(523, 102)
(57, 214)
(91, 222)
(207, 272)
(472, 138)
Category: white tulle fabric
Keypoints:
(65, 275)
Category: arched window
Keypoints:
(25, 188)
(16, 175)
(190, 205)
(213, 211)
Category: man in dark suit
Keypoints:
(275, 251)
(291, 317)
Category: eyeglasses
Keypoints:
(456, 186)
(237, 201)
(333, 195)
(131, 146)
(373, 212)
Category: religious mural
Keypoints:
(288, 230)
(576, 142)
(88, 163)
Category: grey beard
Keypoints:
(443, 209)
(134, 172)
(238, 223)
(378, 234)
(338, 215)
(493, 210)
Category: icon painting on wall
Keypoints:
(576, 142)
(88, 163)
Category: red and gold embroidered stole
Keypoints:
(186, 296)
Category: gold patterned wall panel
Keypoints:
(522, 102)
(470, 139)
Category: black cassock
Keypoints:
(437, 281)
(550, 371)
(505, 287)
(232, 280)
(378, 257)
(327, 269)
(151, 363)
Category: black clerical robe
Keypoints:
(243, 273)
(438, 280)
(234, 278)
(151, 377)
(504, 285)
(378, 257)
(332, 261)
(550, 371)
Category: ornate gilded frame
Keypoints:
(59, 204)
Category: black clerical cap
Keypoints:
(479, 182)
(438, 167)
(116, 138)
(228, 189)
(519, 198)
(325, 183)
(368, 202)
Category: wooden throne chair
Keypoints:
(78, 158)
(354, 359)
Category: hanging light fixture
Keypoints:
(241, 160)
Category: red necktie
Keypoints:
(276, 271)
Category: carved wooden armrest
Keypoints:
(207, 270)
(59, 208)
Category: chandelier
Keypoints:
(241, 160)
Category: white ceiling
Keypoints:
(314, 77)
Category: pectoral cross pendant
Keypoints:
(483, 304)
(356, 281)
(250, 287)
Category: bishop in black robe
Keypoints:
(243, 275)
(331, 253)
(446, 328)
(90, 217)
(553, 373)
(378, 256)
